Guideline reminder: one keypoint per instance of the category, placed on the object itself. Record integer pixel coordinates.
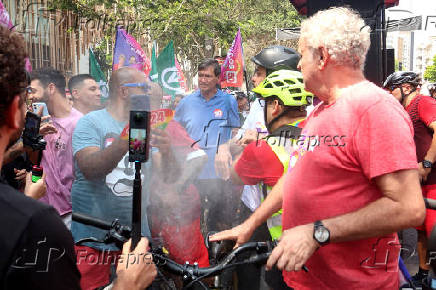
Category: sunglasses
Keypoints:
(144, 86)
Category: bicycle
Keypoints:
(248, 253)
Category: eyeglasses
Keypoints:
(144, 86)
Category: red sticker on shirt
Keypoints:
(218, 113)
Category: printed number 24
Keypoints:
(157, 117)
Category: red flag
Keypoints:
(181, 77)
(232, 71)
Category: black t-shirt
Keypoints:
(36, 248)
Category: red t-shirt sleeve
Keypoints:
(259, 163)
(383, 142)
(427, 109)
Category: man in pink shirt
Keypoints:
(48, 86)
(342, 205)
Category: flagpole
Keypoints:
(246, 82)
(243, 65)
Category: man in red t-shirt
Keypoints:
(343, 202)
(404, 86)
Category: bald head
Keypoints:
(126, 75)
(122, 76)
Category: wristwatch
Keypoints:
(427, 164)
(321, 234)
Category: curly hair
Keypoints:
(13, 75)
(342, 32)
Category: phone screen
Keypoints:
(138, 136)
(137, 141)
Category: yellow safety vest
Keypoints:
(283, 149)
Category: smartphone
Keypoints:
(31, 128)
(36, 108)
(139, 136)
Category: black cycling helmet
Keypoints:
(401, 77)
(277, 57)
(398, 78)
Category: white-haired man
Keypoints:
(342, 205)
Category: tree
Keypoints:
(430, 71)
(191, 24)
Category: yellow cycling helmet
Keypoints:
(286, 85)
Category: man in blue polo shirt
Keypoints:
(208, 116)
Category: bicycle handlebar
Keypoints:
(95, 222)
(262, 249)
(189, 272)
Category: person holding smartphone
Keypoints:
(37, 249)
(104, 176)
(48, 86)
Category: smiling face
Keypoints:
(37, 94)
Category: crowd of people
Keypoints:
(333, 183)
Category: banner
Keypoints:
(167, 71)
(96, 72)
(232, 71)
(128, 52)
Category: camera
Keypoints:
(139, 136)
(139, 131)
(34, 140)
(31, 136)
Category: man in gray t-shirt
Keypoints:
(104, 177)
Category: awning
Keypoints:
(406, 24)
(301, 6)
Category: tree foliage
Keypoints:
(191, 24)
(430, 71)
